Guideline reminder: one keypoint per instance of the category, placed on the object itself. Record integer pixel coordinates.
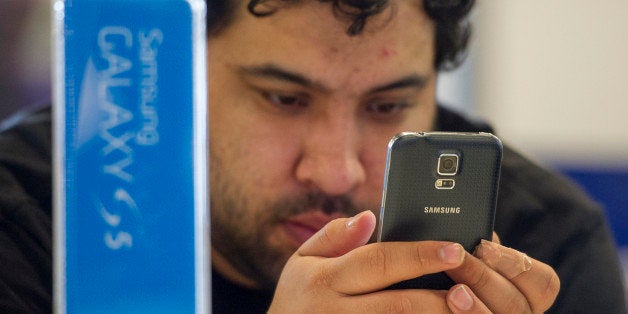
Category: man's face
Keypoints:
(300, 117)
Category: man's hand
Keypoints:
(334, 271)
(507, 280)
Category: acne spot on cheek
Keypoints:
(388, 52)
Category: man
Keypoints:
(304, 97)
(300, 120)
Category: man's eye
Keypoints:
(286, 100)
(385, 109)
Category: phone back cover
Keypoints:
(131, 229)
(414, 209)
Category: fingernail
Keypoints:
(461, 298)
(507, 261)
(488, 252)
(515, 263)
(451, 253)
(527, 262)
(352, 221)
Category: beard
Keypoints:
(244, 235)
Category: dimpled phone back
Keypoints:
(415, 208)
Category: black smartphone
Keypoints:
(440, 186)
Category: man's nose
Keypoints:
(330, 158)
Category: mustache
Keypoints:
(328, 204)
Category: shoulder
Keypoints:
(25, 213)
(551, 219)
(534, 200)
(25, 161)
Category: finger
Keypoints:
(395, 301)
(496, 291)
(340, 236)
(536, 280)
(379, 265)
(461, 299)
(506, 261)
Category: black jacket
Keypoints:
(539, 213)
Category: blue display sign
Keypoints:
(131, 209)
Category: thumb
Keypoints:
(340, 236)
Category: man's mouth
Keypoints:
(301, 227)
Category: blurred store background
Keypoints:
(24, 54)
(549, 75)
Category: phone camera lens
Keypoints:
(448, 164)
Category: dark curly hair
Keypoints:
(450, 18)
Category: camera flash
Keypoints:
(445, 184)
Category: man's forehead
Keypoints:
(335, 17)
(312, 40)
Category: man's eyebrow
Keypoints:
(272, 71)
(410, 81)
